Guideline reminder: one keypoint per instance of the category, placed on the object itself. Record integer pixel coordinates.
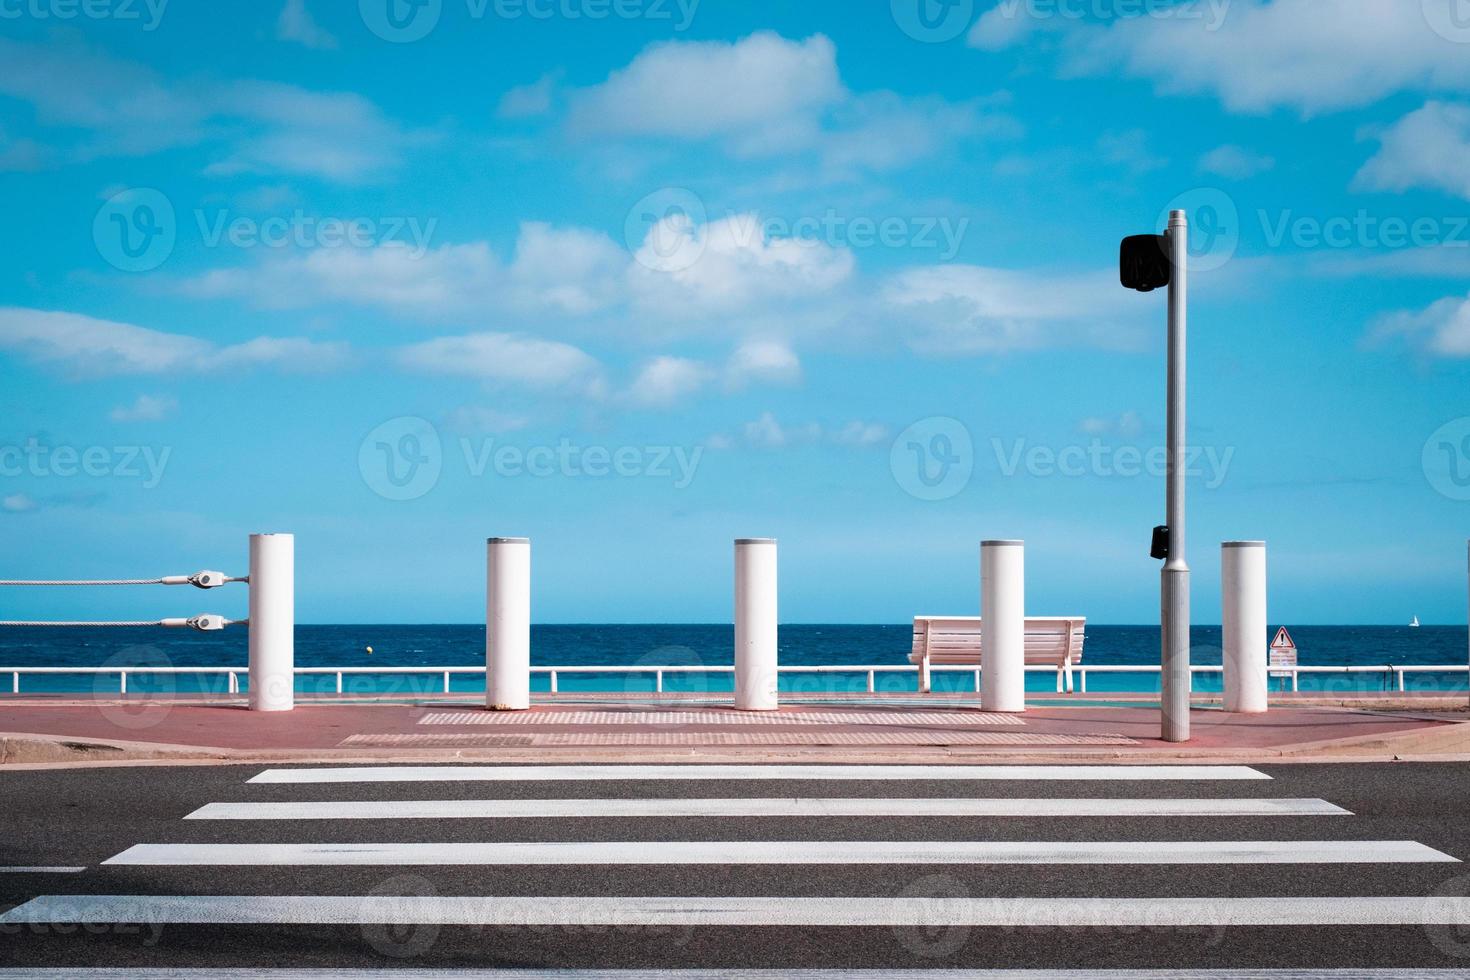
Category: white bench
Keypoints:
(955, 640)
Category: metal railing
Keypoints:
(554, 674)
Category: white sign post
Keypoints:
(1283, 656)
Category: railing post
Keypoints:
(272, 622)
(755, 624)
(508, 624)
(553, 682)
(1003, 625)
(122, 681)
(1243, 625)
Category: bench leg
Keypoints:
(1068, 671)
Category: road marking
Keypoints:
(771, 911)
(785, 853)
(783, 807)
(720, 718)
(40, 870)
(420, 774)
(472, 973)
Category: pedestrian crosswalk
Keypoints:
(752, 855)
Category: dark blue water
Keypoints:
(670, 645)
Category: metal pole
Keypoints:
(755, 624)
(1003, 626)
(1243, 625)
(1174, 579)
(508, 624)
(272, 622)
(1467, 663)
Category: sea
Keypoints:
(362, 649)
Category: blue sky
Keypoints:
(638, 278)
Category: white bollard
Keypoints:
(1243, 623)
(755, 624)
(272, 622)
(508, 624)
(1003, 625)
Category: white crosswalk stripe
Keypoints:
(724, 911)
(786, 852)
(406, 774)
(852, 806)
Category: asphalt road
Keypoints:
(82, 817)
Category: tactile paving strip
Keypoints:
(896, 737)
(720, 718)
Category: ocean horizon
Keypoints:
(651, 645)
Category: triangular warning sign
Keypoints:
(1283, 640)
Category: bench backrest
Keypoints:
(956, 639)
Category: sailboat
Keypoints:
(1415, 622)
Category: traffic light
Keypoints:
(1143, 262)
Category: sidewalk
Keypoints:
(577, 728)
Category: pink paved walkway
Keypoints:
(569, 728)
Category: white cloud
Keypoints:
(1254, 55)
(1428, 148)
(571, 270)
(90, 346)
(861, 434)
(102, 106)
(765, 95)
(508, 359)
(526, 101)
(729, 264)
(1235, 162)
(767, 432)
(665, 381)
(763, 92)
(18, 503)
(479, 420)
(763, 362)
(1130, 150)
(1128, 424)
(146, 408)
(964, 309)
(296, 24)
(1442, 328)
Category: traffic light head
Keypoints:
(1143, 262)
